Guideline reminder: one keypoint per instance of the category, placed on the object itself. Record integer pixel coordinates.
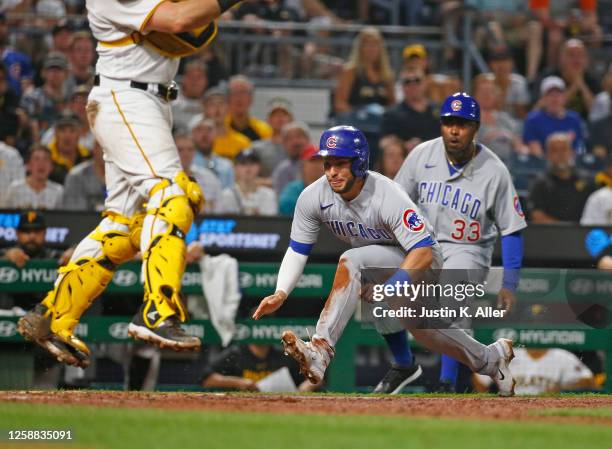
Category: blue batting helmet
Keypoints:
(461, 105)
(346, 141)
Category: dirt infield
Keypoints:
(471, 407)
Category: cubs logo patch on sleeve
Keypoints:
(412, 220)
(517, 207)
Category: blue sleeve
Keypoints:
(512, 259)
(427, 241)
(301, 248)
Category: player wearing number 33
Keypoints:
(466, 193)
(385, 229)
(150, 201)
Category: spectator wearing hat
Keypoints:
(560, 193)
(31, 232)
(18, 65)
(203, 135)
(30, 245)
(11, 170)
(271, 150)
(84, 186)
(77, 106)
(552, 117)
(598, 208)
(82, 56)
(65, 149)
(513, 86)
(415, 119)
(295, 139)
(438, 86)
(44, 104)
(227, 142)
(311, 169)
(239, 118)
(247, 196)
(194, 82)
(36, 191)
(206, 178)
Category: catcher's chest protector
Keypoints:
(181, 44)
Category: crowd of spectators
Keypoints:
(539, 96)
(544, 111)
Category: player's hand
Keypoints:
(17, 256)
(366, 292)
(65, 257)
(270, 304)
(194, 252)
(506, 300)
(248, 385)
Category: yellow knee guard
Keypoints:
(179, 208)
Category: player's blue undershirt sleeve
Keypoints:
(402, 276)
(512, 259)
(427, 241)
(301, 248)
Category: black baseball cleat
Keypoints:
(397, 378)
(446, 387)
(168, 334)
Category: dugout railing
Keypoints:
(538, 286)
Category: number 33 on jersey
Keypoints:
(468, 205)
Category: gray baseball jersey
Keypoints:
(382, 214)
(466, 207)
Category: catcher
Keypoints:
(139, 46)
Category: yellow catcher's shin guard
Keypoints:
(158, 320)
(164, 264)
(51, 323)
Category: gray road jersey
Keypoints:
(469, 207)
(382, 214)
